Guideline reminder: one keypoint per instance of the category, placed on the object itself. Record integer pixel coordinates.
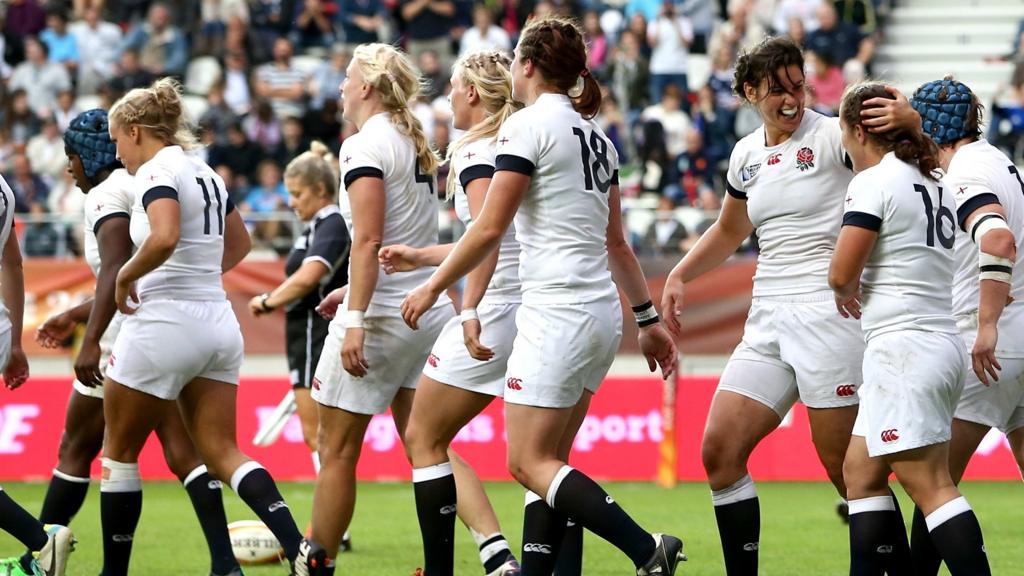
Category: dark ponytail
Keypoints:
(557, 49)
(909, 145)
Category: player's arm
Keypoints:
(367, 199)
(114, 243)
(237, 242)
(60, 326)
(480, 277)
(885, 114)
(506, 192)
(164, 214)
(853, 248)
(655, 343)
(300, 283)
(13, 278)
(412, 9)
(997, 252)
(402, 258)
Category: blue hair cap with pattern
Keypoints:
(943, 106)
(88, 137)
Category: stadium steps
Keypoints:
(927, 39)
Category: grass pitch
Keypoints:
(800, 532)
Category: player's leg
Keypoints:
(569, 559)
(476, 512)
(203, 490)
(208, 411)
(80, 443)
(1016, 438)
(877, 534)
(427, 439)
(130, 416)
(307, 411)
(49, 545)
(830, 432)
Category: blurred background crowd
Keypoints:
(262, 79)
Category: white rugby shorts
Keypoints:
(912, 382)
(1000, 404)
(168, 343)
(450, 363)
(797, 348)
(395, 353)
(560, 350)
(106, 346)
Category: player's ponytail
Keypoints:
(910, 145)
(557, 49)
(157, 109)
(315, 168)
(488, 72)
(397, 83)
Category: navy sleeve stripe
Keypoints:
(968, 208)
(615, 178)
(735, 192)
(231, 206)
(475, 172)
(862, 220)
(974, 229)
(514, 164)
(157, 193)
(363, 171)
(105, 219)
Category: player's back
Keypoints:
(907, 281)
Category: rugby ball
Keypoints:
(254, 543)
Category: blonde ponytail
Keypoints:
(159, 110)
(315, 167)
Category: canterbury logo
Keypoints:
(890, 435)
(316, 383)
(885, 549)
(538, 548)
(214, 485)
(609, 500)
(111, 361)
(445, 510)
(846, 390)
(277, 506)
(433, 360)
(751, 546)
(514, 383)
(122, 538)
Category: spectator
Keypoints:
(281, 83)
(41, 239)
(240, 155)
(716, 123)
(271, 19)
(162, 48)
(360, 21)
(219, 116)
(326, 81)
(66, 202)
(860, 13)
(638, 26)
(805, 10)
(18, 120)
(237, 189)
(30, 191)
(693, 170)
(216, 16)
(66, 109)
(837, 41)
(427, 24)
(314, 26)
(670, 36)
(101, 41)
(237, 93)
(7, 151)
(628, 75)
(484, 35)
(796, 31)
(741, 31)
(597, 43)
(130, 75)
(825, 83)
(613, 124)
(325, 125)
(39, 78)
(293, 141)
(263, 127)
(60, 43)
(655, 166)
(23, 18)
(267, 197)
(124, 12)
(5, 68)
(666, 235)
(701, 14)
(45, 152)
(673, 120)
(721, 76)
(433, 75)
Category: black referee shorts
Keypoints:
(304, 338)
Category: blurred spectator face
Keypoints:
(482, 18)
(638, 25)
(129, 61)
(694, 141)
(224, 171)
(672, 98)
(264, 111)
(56, 22)
(235, 136)
(50, 129)
(19, 102)
(292, 129)
(92, 16)
(629, 45)
(159, 17)
(543, 9)
(723, 58)
(666, 209)
(339, 58)
(269, 176)
(34, 52)
(22, 167)
(706, 98)
(592, 24)
(282, 51)
(827, 15)
(66, 99)
(796, 29)
(235, 61)
(429, 63)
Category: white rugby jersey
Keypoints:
(562, 222)
(476, 160)
(907, 283)
(980, 175)
(6, 228)
(794, 193)
(193, 272)
(379, 150)
(112, 198)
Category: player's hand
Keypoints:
(660, 350)
(16, 372)
(416, 304)
(672, 304)
(352, 358)
(256, 306)
(55, 331)
(884, 114)
(983, 356)
(123, 292)
(87, 365)
(398, 258)
(328, 307)
(471, 336)
(849, 307)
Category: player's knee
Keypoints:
(76, 453)
(519, 469)
(721, 456)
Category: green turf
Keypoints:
(801, 533)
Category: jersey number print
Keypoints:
(600, 148)
(935, 224)
(218, 211)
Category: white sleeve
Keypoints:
(734, 184)
(156, 180)
(865, 204)
(518, 147)
(970, 192)
(359, 159)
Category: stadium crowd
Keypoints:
(262, 79)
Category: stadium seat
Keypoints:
(307, 64)
(201, 75)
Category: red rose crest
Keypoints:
(804, 158)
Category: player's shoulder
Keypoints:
(970, 160)
(479, 151)
(117, 190)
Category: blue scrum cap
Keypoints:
(943, 106)
(88, 137)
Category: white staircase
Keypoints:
(926, 39)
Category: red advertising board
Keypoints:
(618, 440)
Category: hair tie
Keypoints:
(585, 73)
(905, 141)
